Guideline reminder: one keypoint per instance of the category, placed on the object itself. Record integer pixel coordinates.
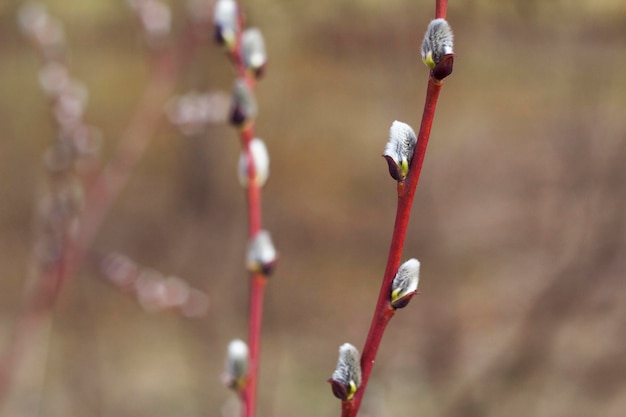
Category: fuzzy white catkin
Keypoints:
(401, 142)
(438, 41)
(406, 279)
(400, 148)
(348, 366)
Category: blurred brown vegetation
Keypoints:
(518, 220)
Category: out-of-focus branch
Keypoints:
(168, 64)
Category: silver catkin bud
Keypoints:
(438, 42)
(399, 149)
(404, 284)
(346, 378)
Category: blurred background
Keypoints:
(519, 217)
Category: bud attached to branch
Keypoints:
(262, 255)
(226, 20)
(244, 107)
(437, 48)
(253, 47)
(236, 374)
(346, 379)
(399, 149)
(260, 160)
(404, 285)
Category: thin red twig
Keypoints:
(441, 8)
(257, 283)
(257, 290)
(346, 408)
(384, 312)
(253, 193)
(406, 191)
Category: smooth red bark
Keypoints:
(406, 191)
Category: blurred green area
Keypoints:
(518, 219)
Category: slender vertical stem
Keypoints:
(253, 194)
(257, 281)
(257, 289)
(430, 105)
(346, 408)
(441, 8)
(406, 191)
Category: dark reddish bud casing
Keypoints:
(444, 67)
(339, 390)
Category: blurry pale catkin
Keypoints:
(236, 372)
(260, 161)
(261, 256)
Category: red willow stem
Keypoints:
(257, 291)
(406, 191)
(257, 281)
(347, 408)
(441, 7)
